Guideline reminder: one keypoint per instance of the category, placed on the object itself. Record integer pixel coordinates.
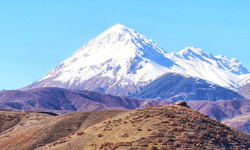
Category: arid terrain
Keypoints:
(30, 130)
(158, 127)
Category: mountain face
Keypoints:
(175, 87)
(234, 113)
(63, 100)
(221, 70)
(120, 61)
(222, 110)
(245, 91)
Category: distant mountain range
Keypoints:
(169, 87)
(121, 61)
(60, 100)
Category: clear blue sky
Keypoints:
(35, 36)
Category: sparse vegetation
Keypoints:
(79, 133)
(161, 127)
(175, 127)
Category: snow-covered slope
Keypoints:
(244, 79)
(120, 61)
(217, 69)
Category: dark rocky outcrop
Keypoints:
(182, 103)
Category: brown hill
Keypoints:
(158, 127)
(30, 130)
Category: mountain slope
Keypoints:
(245, 91)
(234, 113)
(161, 127)
(63, 100)
(241, 122)
(30, 130)
(175, 87)
(117, 62)
(222, 110)
(217, 69)
(120, 61)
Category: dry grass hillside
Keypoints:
(155, 128)
(30, 130)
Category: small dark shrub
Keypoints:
(99, 135)
(80, 133)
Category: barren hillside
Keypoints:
(159, 127)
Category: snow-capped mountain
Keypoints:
(120, 61)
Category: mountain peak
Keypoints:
(193, 51)
(116, 59)
(121, 39)
(118, 29)
(233, 60)
(190, 50)
(233, 65)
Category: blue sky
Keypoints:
(37, 35)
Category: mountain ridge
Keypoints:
(175, 87)
(58, 100)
